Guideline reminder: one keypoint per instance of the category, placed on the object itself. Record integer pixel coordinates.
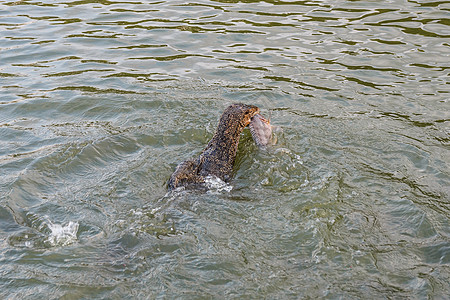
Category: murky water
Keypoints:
(100, 100)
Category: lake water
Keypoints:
(100, 100)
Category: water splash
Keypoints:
(62, 235)
(216, 185)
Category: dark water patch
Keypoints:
(93, 90)
(71, 73)
(141, 46)
(9, 75)
(169, 58)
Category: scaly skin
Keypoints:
(218, 157)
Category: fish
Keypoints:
(261, 131)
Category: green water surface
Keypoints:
(100, 100)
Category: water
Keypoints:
(101, 100)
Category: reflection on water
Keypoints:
(101, 100)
